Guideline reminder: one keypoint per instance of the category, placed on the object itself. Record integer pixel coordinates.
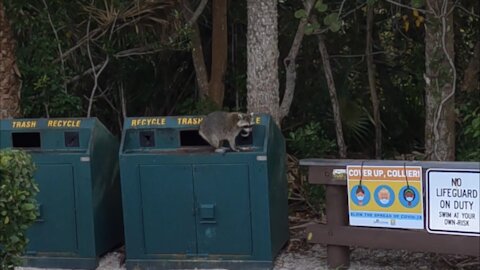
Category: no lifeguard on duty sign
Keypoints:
(453, 201)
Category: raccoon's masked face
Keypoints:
(246, 122)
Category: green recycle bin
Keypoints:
(186, 206)
(79, 199)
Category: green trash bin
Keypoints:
(79, 199)
(186, 206)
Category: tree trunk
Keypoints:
(372, 84)
(197, 49)
(440, 77)
(342, 148)
(199, 61)
(216, 90)
(262, 57)
(9, 75)
(213, 87)
(290, 62)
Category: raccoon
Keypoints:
(219, 126)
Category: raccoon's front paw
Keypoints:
(220, 150)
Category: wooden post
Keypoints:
(338, 257)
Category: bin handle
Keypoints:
(207, 213)
(40, 214)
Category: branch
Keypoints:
(199, 61)
(467, 11)
(59, 46)
(290, 62)
(197, 12)
(136, 51)
(197, 49)
(79, 44)
(219, 57)
(372, 83)
(324, 30)
(96, 34)
(95, 74)
(353, 10)
(123, 100)
(95, 85)
(444, 14)
(342, 147)
(408, 7)
(86, 72)
(341, 7)
(354, 55)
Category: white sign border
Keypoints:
(427, 202)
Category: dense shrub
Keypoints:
(468, 145)
(18, 207)
(309, 141)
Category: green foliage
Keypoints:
(315, 195)
(44, 88)
(467, 98)
(469, 136)
(418, 3)
(320, 6)
(310, 27)
(151, 73)
(332, 21)
(309, 141)
(18, 207)
(473, 125)
(59, 84)
(357, 122)
(301, 14)
(193, 107)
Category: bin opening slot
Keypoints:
(147, 138)
(72, 139)
(26, 139)
(244, 138)
(191, 138)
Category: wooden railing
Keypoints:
(339, 236)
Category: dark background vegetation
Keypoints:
(150, 70)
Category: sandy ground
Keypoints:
(314, 258)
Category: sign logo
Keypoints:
(453, 201)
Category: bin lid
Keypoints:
(49, 134)
(179, 134)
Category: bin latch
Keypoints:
(40, 214)
(207, 213)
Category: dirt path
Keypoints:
(315, 258)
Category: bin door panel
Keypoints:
(168, 209)
(223, 209)
(55, 229)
